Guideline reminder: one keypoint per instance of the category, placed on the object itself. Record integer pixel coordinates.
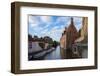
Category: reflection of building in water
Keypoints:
(80, 45)
(69, 35)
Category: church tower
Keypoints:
(72, 34)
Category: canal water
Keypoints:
(54, 54)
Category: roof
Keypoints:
(82, 39)
(79, 39)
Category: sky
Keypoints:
(52, 26)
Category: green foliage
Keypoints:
(55, 44)
(42, 45)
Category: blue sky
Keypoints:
(51, 26)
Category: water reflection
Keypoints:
(57, 53)
(54, 54)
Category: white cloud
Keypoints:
(56, 28)
(38, 28)
(33, 21)
(78, 19)
(45, 19)
(54, 33)
(65, 20)
(33, 25)
(44, 31)
(46, 26)
(62, 19)
(78, 22)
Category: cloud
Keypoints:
(33, 21)
(78, 22)
(63, 20)
(33, 25)
(44, 31)
(45, 19)
(51, 26)
(46, 26)
(54, 33)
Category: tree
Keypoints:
(55, 44)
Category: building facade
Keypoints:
(80, 46)
(69, 35)
(38, 44)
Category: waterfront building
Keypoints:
(38, 44)
(69, 35)
(80, 46)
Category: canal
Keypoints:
(54, 54)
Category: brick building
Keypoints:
(69, 35)
(80, 46)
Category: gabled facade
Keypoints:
(69, 35)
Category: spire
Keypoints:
(71, 26)
(72, 21)
(65, 28)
